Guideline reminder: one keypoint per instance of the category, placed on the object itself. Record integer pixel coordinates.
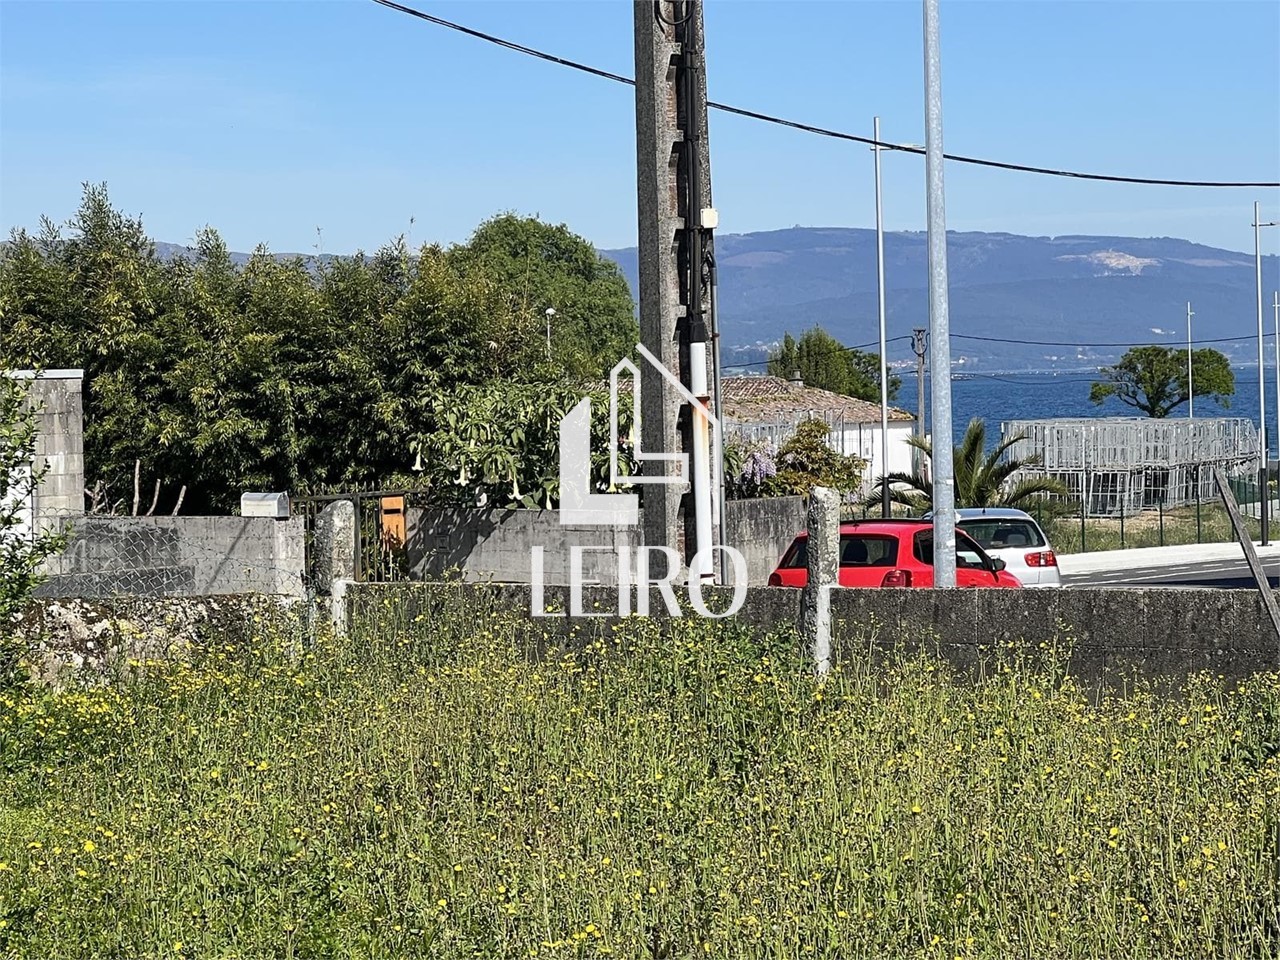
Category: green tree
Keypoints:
(498, 444)
(824, 362)
(1154, 379)
(541, 267)
(281, 373)
(980, 476)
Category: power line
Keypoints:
(1068, 343)
(808, 127)
(840, 349)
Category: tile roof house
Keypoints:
(757, 399)
(770, 408)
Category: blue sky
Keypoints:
(271, 119)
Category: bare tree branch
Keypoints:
(155, 498)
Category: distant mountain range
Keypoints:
(1076, 289)
(1081, 290)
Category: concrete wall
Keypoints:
(762, 530)
(178, 556)
(496, 545)
(59, 442)
(1108, 633)
(1106, 636)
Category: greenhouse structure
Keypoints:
(1123, 465)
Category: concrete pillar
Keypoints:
(334, 545)
(823, 523)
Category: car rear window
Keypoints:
(995, 533)
(868, 551)
(967, 554)
(855, 551)
(797, 555)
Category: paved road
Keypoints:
(1220, 574)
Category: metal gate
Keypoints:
(380, 531)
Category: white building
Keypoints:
(770, 408)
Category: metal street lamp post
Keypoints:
(1264, 493)
(551, 312)
(885, 507)
(1191, 393)
(944, 487)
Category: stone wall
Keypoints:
(495, 545)
(86, 641)
(178, 556)
(1105, 636)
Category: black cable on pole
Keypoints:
(811, 128)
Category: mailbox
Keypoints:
(273, 505)
(392, 522)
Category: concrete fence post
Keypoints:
(335, 553)
(823, 523)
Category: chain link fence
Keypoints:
(167, 556)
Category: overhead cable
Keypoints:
(812, 128)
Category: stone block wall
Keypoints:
(59, 443)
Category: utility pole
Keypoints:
(675, 218)
(944, 490)
(919, 343)
(885, 507)
(1191, 393)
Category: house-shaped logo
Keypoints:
(579, 504)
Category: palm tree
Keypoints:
(980, 477)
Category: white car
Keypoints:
(1014, 537)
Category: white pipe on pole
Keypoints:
(702, 568)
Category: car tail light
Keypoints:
(896, 578)
(1045, 559)
(775, 579)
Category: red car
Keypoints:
(893, 553)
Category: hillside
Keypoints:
(1080, 289)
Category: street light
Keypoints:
(1265, 493)
(1191, 393)
(886, 509)
(1275, 305)
(551, 312)
(944, 484)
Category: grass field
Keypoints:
(428, 791)
(1146, 530)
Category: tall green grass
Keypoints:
(429, 790)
